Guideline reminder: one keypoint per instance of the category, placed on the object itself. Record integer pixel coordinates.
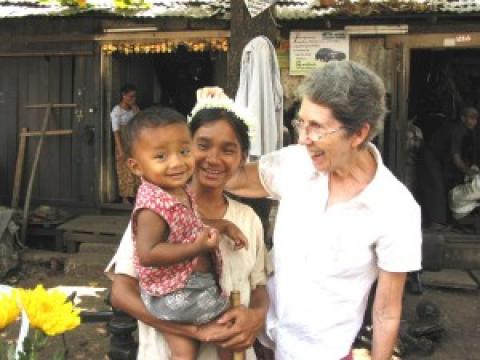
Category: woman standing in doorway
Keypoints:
(121, 114)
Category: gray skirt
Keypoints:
(199, 302)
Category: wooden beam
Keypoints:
(51, 106)
(164, 35)
(26, 206)
(14, 53)
(47, 133)
(17, 183)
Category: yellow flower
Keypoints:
(9, 309)
(49, 311)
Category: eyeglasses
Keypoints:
(315, 134)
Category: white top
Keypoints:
(243, 270)
(260, 91)
(120, 117)
(326, 259)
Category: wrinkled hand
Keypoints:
(241, 326)
(207, 239)
(210, 92)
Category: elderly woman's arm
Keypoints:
(126, 297)
(387, 310)
(244, 324)
(246, 182)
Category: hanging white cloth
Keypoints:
(260, 91)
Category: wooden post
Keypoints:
(235, 301)
(17, 183)
(262, 24)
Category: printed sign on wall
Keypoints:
(312, 49)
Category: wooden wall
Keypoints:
(66, 169)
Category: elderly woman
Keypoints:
(343, 221)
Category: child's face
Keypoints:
(163, 156)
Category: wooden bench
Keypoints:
(98, 229)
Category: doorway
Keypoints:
(442, 83)
(169, 79)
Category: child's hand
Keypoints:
(234, 233)
(207, 239)
(231, 230)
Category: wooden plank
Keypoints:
(456, 279)
(45, 53)
(54, 106)
(170, 35)
(94, 118)
(47, 133)
(52, 151)
(17, 183)
(97, 224)
(65, 164)
(26, 207)
(91, 238)
(78, 128)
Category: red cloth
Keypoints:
(184, 226)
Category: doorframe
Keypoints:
(402, 46)
(107, 157)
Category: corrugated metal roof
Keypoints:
(132, 8)
(310, 9)
(284, 9)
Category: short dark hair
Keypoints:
(153, 117)
(126, 88)
(209, 115)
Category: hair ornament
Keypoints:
(223, 102)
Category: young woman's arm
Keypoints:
(246, 182)
(152, 248)
(126, 297)
(118, 143)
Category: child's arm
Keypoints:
(152, 248)
(230, 229)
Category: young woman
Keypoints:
(220, 147)
(120, 116)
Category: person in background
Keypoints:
(121, 114)
(447, 158)
(343, 221)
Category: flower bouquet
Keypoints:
(49, 313)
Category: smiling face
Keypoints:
(162, 156)
(334, 150)
(217, 152)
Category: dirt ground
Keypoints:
(460, 315)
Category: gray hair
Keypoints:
(353, 93)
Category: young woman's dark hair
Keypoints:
(153, 117)
(126, 88)
(208, 115)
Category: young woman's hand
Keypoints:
(242, 326)
(207, 239)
